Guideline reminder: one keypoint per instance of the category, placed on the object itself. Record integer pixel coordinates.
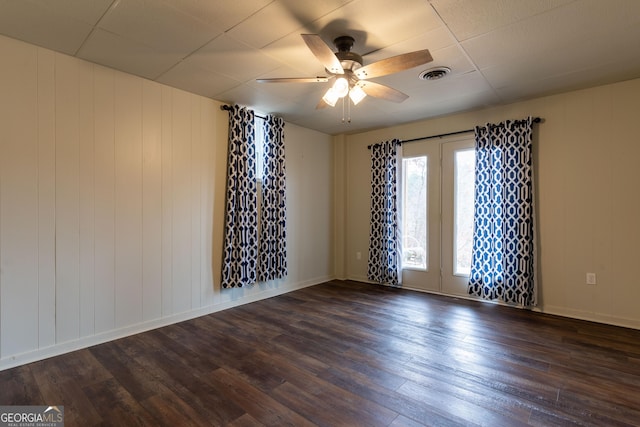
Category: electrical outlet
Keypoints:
(358, 255)
(591, 278)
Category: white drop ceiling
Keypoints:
(499, 51)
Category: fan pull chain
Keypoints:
(345, 100)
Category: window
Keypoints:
(414, 213)
(259, 141)
(464, 170)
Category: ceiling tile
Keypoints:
(567, 28)
(190, 77)
(230, 57)
(557, 52)
(597, 75)
(223, 14)
(376, 24)
(409, 82)
(452, 57)
(159, 26)
(274, 12)
(433, 40)
(126, 55)
(280, 18)
(430, 94)
(470, 18)
(463, 102)
(258, 100)
(330, 119)
(306, 12)
(82, 10)
(293, 52)
(43, 24)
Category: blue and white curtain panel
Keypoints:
(240, 248)
(503, 259)
(273, 212)
(384, 237)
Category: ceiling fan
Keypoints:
(349, 74)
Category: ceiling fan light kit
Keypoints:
(351, 77)
(356, 94)
(331, 97)
(341, 87)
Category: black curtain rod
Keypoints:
(442, 135)
(228, 108)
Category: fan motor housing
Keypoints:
(349, 60)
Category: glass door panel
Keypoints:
(458, 163)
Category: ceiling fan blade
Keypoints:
(394, 64)
(381, 91)
(295, 80)
(323, 52)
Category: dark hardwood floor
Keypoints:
(348, 354)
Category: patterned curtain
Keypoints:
(273, 212)
(503, 263)
(240, 250)
(384, 236)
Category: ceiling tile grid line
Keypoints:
(96, 24)
(460, 47)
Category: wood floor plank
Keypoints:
(348, 353)
(172, 410)
(409, 407)
(325, 409)
(190, 385)
(598, 408)
(85, 368)
(19, 386)
(245, 420)
(60, 386)
(259, 405)
(116, 405)
(126, 371)
(471, 409)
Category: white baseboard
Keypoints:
(591, 317)
(77, 344)
(548, 309)
(360, 279)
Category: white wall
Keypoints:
(111, 205)
(587, 179)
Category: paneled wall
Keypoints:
(111, 205)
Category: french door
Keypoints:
(442, 261)
(458, 163)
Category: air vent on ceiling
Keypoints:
(434, 73)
